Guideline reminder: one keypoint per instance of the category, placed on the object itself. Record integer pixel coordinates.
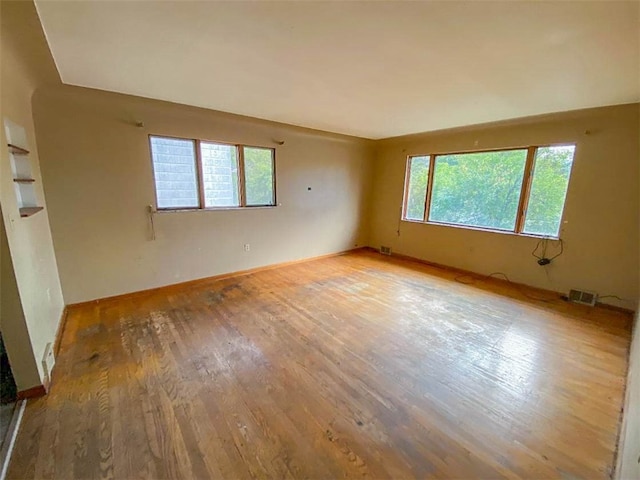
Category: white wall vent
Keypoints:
(385, 250)
(583, 297)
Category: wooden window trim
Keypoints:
(407, 180)
(274, 197)
(211, 209)
(525, 189)
(200, 169)
(200, 175)
(242, 189)
(523, 201)
(429, 194)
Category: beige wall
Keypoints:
(98, 180)
(25, 65)
(602, 212)
(98, 191)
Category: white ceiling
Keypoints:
(371, 69)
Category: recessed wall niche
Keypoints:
(23, 180)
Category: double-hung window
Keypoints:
(197, 174)
(520, 190)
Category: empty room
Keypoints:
(319, 239)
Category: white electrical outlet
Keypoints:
(247, 247)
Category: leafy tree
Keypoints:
(417, 187)
(258, 166)
(548, 190)
(483, 189)
(478, 189)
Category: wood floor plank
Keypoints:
(353, 366)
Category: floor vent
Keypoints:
(582, 297)
(385, 250)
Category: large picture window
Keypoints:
(516, 190)
(196, 174)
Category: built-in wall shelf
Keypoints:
(28, 211)
(24, 180)
(17, 150)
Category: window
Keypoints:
(478, 189)
(417, 180)
(548, 190)
(195, 174)
(220, 175)
(258, 171)
(517, 190)
(174, 168)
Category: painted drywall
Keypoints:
(13, 324)
(628, 465)
(602, 213)
(98, 181)
(32, 323)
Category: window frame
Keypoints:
(273, 176)
(200, 175)
(523, 201)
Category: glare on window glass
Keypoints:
(549, 185)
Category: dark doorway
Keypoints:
(8, 393)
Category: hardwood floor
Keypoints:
(351, 366)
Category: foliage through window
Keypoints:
(518, 190)
(258, 170)
(417, 187)
(195, 174)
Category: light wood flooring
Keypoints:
(351, 366)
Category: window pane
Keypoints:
(478, 189)
(548, 190)
(220, 175)
(258, 174)
(417, 189)
(174, 169)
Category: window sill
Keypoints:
(480, 229)
(213, 209)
